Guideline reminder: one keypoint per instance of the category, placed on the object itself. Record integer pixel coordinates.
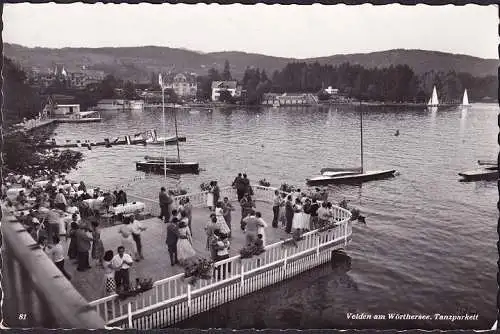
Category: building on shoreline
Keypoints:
(289, 99)
(230, 86)
(183, 84)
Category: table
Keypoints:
(13, 192)
(127, 208)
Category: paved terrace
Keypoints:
(156, 263)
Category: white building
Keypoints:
(331, 91)
(230, 86)
(183, 84)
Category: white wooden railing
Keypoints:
(172, 300)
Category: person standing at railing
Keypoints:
(222, 248)
(323, 215)
(276, 208)
(251, 225)
(121, 262)
(314, 214)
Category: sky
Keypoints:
(276, 30)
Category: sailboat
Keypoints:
(465, 100)
(350, 175)
(162, 164)
(433, 101)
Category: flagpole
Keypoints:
(163, 114)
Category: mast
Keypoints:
(163, 119)
(361, 129)
(176, 134)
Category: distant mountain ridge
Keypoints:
(139, 63)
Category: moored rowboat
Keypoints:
(173, 167)
(342, 177)
(479, 174)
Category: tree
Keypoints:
(226, 74)
(129, 91)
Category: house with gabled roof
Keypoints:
(230, 86)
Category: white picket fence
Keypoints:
(172, 300)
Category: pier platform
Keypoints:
(156, 263)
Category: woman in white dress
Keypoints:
(210, 196)
(297, 222)
(185, 248)
(127, 240)
(262, 227)
(221, 222)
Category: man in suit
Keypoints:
(165, 202)
(172, 237)
(83, 243)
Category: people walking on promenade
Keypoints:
(165, 203)
(246, 184)
(210, 229)
(121, 262)
(137, 229)
(188, 209)
(216, 191)
(172, 238)
(221, 222)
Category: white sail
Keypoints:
(434, 100)
(430, 101)
(465, 101)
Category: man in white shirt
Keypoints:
(56, 253)
(121, 262)
(137, 228)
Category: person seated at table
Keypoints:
(121, 198)
(21, 198)
(60, 200)
(82, 187)
(85, 196)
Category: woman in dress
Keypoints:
(97, 245)
(281, 214)
(185, 248)
(307, 214)
(109, 274)
(297, 222)
(262, 227)
(210, 196)
(127, 239)
(221, 222)
(72, 249)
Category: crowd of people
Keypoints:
(57, 214)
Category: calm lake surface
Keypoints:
(429, 245)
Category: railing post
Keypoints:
(345, 233)
(189, 295)
(318, 236)
(242, 282)
(129, 311)
(286, 261)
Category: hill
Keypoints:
(138, 63)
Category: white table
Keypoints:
(13, 192)
(127, 208)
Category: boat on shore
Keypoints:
(480, 174)
(350, 175)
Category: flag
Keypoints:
(160, 81)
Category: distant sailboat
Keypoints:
(433, 101)
(465, 100)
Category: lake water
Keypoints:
(429, 245)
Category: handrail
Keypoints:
(55, 302)
(342, 218)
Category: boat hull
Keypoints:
(354, 178)
(480, 175)
(172, 167)
(487, 162)
(168, 141)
